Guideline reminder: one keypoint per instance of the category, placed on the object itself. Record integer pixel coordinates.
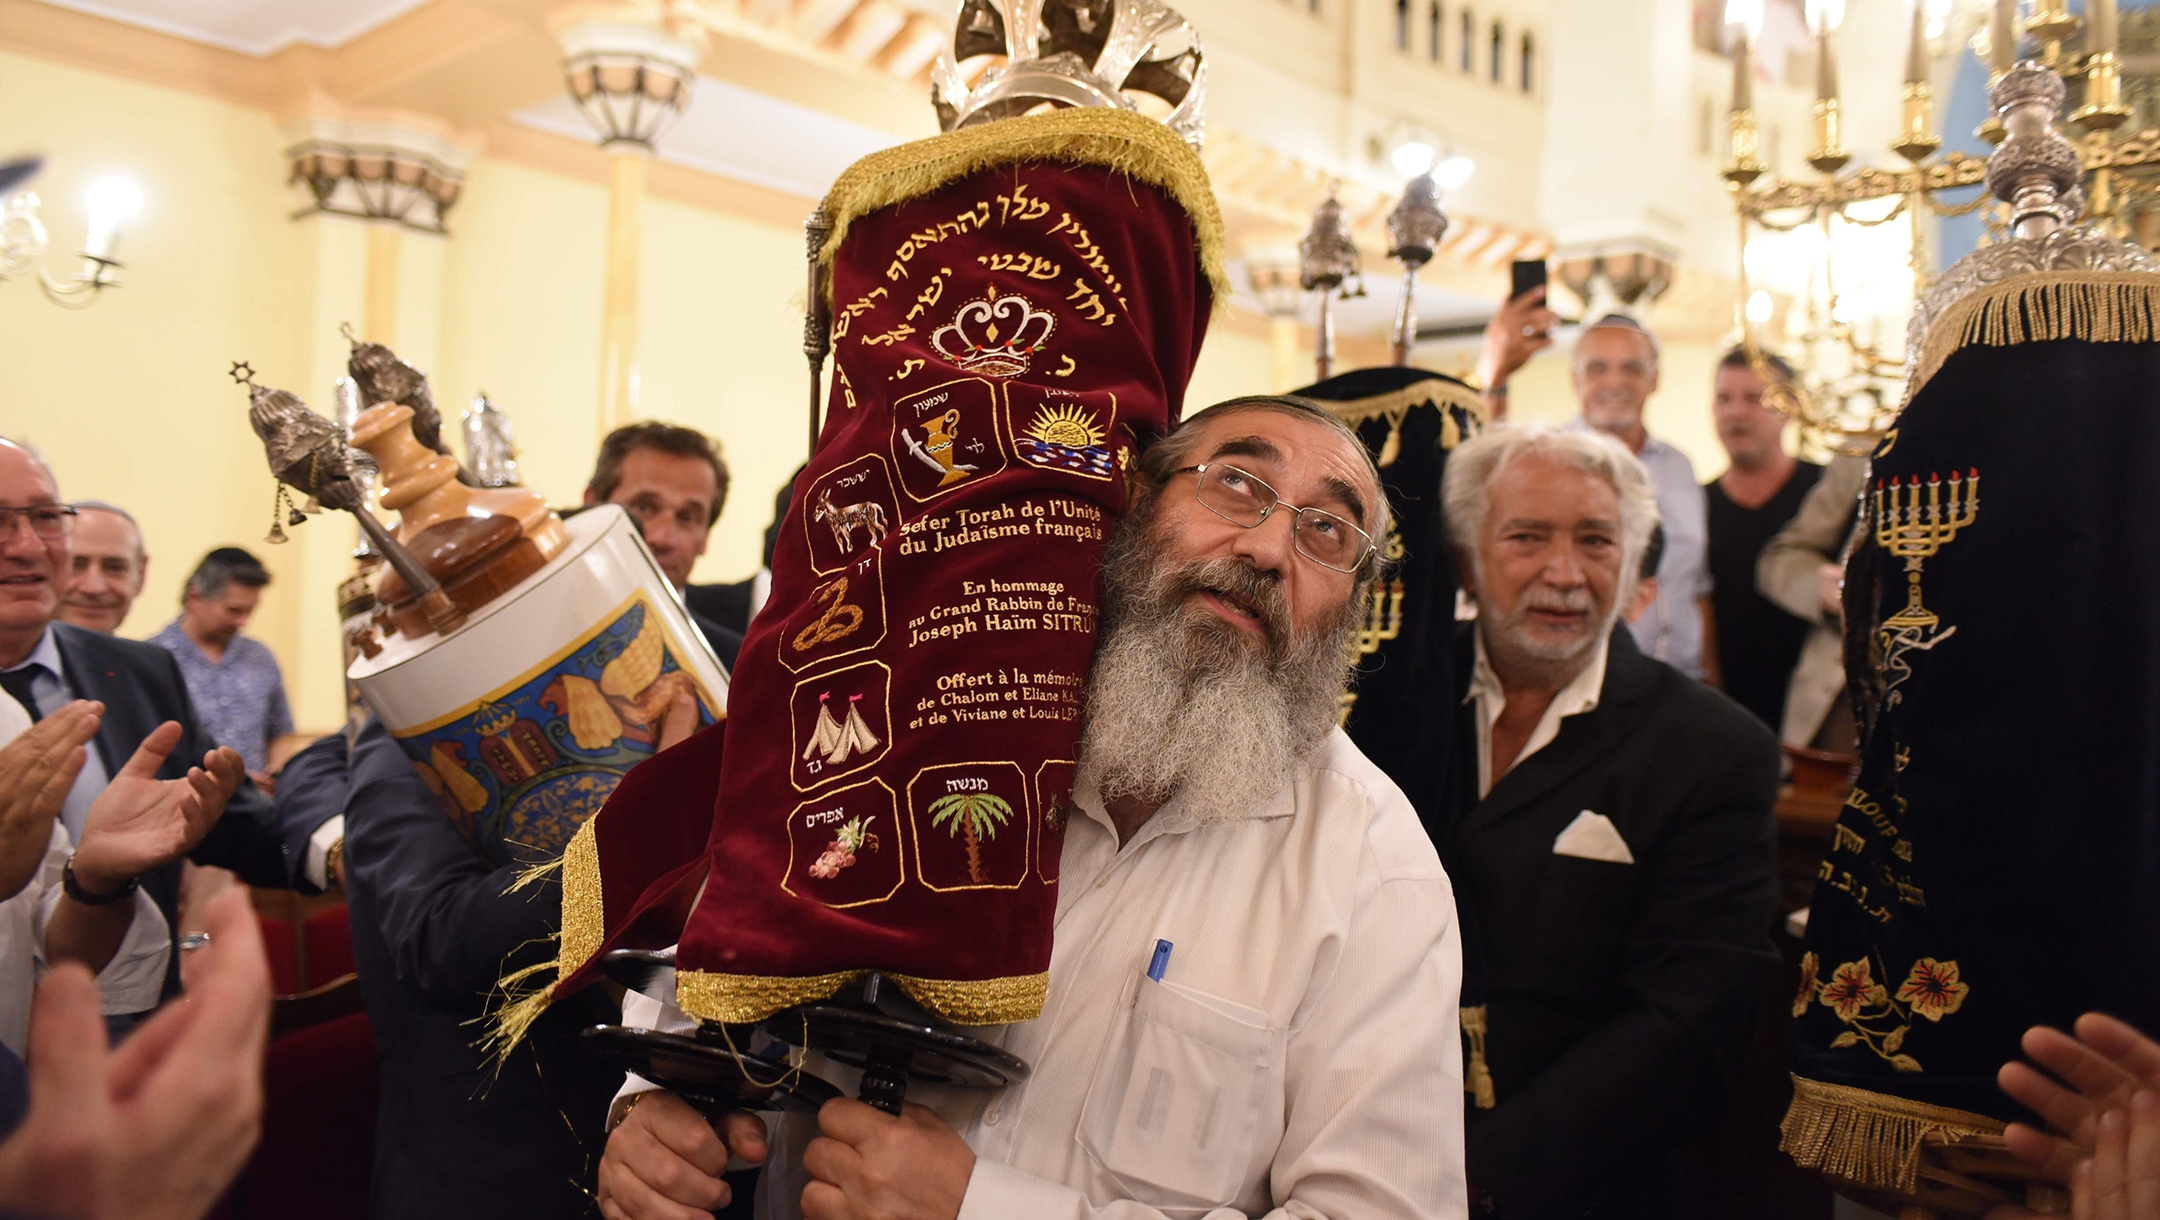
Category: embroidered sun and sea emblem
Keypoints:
(1067, 436)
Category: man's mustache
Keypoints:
(1557, 601)
(1243, 584)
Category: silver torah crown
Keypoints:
(1076, 53)
(490, 445)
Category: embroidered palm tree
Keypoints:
(972, 817)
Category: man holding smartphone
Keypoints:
(1615, 372)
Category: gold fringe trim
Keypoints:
(1395, 406)
(1477, 1081)
(737, 999)
(584, 918)
(1118, 140)
(984, 1002)
(1869, 1139)
(2092, 306)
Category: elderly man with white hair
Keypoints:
(1252, 996)
(1614, 858)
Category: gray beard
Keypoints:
(1182, 703)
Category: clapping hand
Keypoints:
(37, 770)
(157, 1129)
(2104, 1112)
(141, 822)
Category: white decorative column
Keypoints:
(374, 191)
(631, 80)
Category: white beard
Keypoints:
(1181, 703)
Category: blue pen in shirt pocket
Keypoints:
(1161, 961)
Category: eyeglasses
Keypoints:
(45, 520)
(1242, 498)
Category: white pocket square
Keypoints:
(1592, 836)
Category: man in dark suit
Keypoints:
(672, 482)
(733, 605)
(1612, 848)
(45, 663)
(434, 926)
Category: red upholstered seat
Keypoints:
(318, 1141)
(326, 946)
(278, 943)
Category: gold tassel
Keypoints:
(1392, 447)
(534, 876)
(1478, 1080)
(520, 1010)
(1869, 1139)
(2089, 306)
(583, 933)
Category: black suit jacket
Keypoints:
(433, 930)
(726, 643)
(726, 605)
(1619, 996)
(141, 688)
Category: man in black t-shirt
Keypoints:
(1757, 641)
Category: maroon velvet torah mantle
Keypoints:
(1016, 310)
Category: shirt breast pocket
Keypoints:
(1176, 1101)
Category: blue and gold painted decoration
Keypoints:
(522, 768)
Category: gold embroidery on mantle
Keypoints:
(1876, 1018)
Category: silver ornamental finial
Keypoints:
(1417, 224)
(1414, 228)
(2036, 170)
(490, 445)
(346, 392)
(310, 454)
(1078, 53)
(383, 377)
(306, 451)
(1326, 257)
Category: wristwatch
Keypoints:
(73, 888)
(334, 867)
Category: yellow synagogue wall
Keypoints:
(130, 400)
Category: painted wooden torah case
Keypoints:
(524, 718)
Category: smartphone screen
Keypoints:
(1528, 273)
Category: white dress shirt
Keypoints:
(1578, 696)
(130, 982)
(1299, 1059)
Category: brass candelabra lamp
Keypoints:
(1850, 386)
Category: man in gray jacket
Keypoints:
(1803, 570)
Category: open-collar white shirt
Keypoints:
(1300, 1057)
(131, 982)
(1490, 698)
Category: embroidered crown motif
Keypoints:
(993, 335)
